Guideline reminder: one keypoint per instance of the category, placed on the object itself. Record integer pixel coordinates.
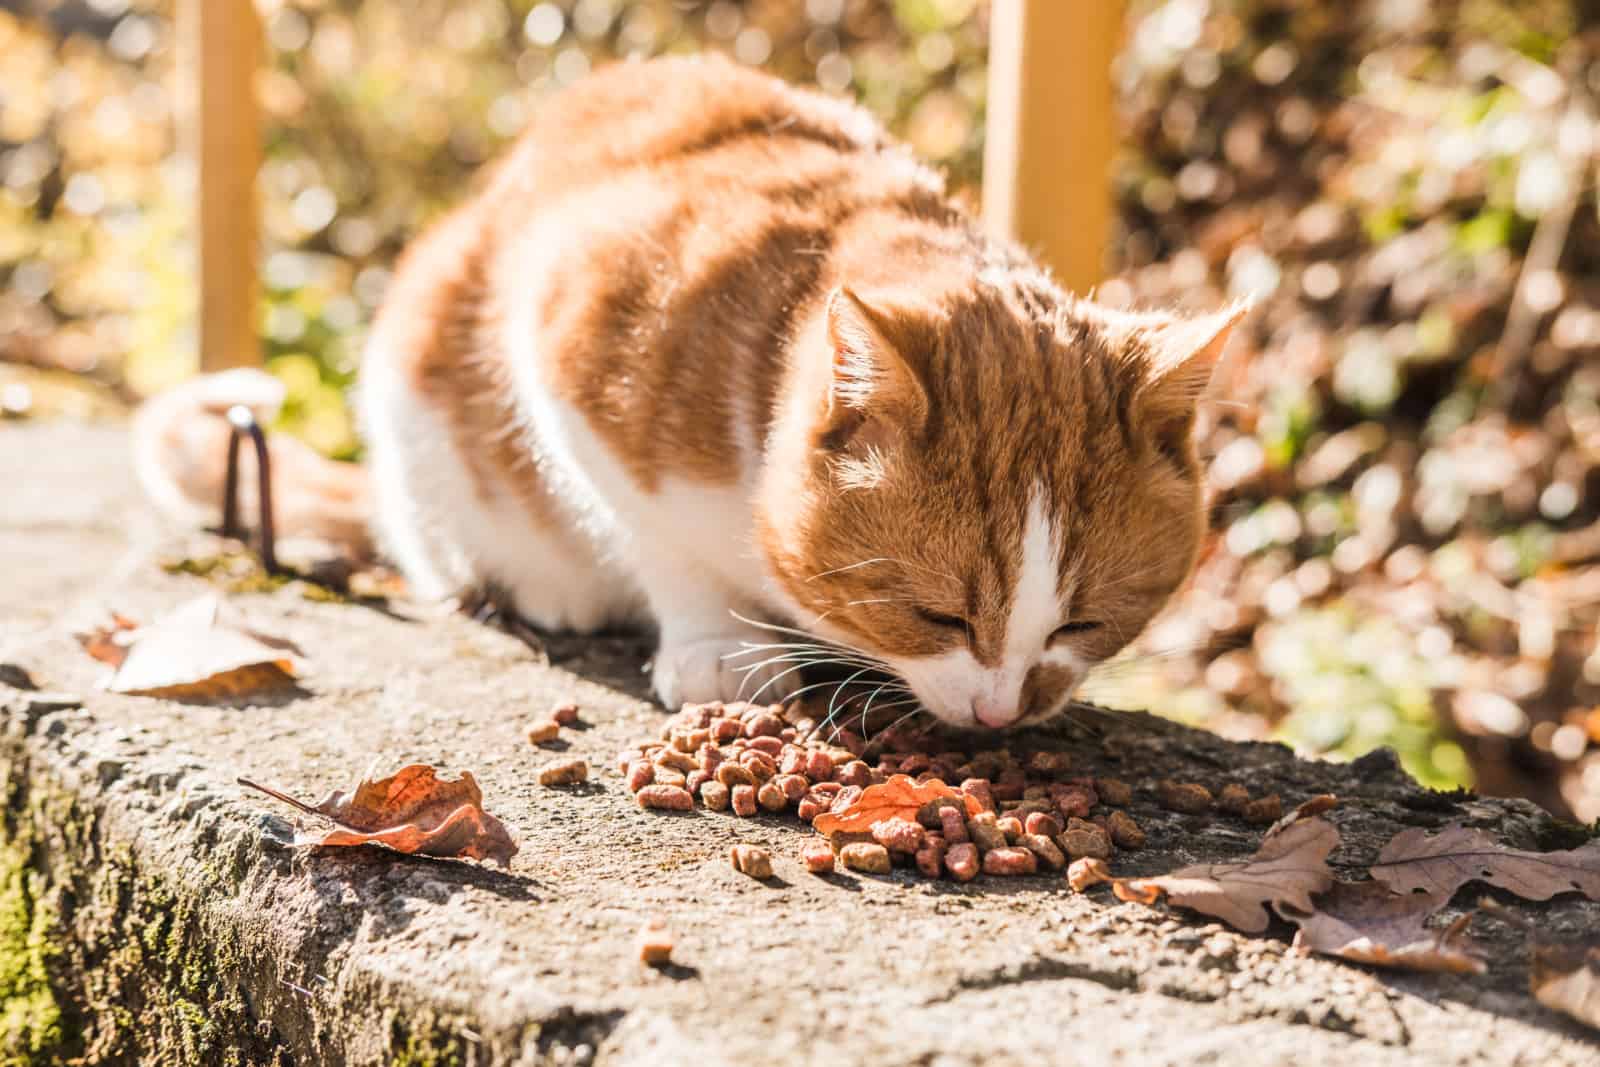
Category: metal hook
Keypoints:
(241, 420)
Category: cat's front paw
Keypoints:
(719, 668)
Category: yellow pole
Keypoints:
(1051, 131)
(220, 48)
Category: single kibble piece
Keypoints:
(962, 861)
(743, 799)
(817, 857)
(733, 775)
(725, 730)
(714, 795)
(759, 764)
(979, 789)
(1189, 798)
(543, 731)
(665, 798)
(1087, 872)
(983, 831)
(1039, 822)
(866, 857)
(809, 808)
(1011, 826)
(567, 772)
(770, 746)
(899, 835)
(1074, 800)
(654, 942)
(1264, 809)
(640, 774)
(1048, 763)
(1044, 848)
(748, 859)
(1125, 833)
(565, 714)
(764, 725)
(1233, 798)
(1082, 838)
(855, 773)
(681, 762)
(953, 826)
(1114, 791)
(1007, 861)
(930, 858)
(771, 796)
(819, 766)
(793, 786)
(668, 776)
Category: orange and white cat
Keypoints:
(714, 352)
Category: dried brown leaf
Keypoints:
(413, 811)
(1368, 923)
(1289, 868)
(1566, 978)
(1413, 862)
(201, 651)
(899, 797)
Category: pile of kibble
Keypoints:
(1032, 813)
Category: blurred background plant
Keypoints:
(1405, 452)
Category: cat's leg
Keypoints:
(459, 527)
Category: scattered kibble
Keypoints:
(751, 860)
(1267, 809)
(1233, 799)
(866, 857)
(665, 798)
(543, 732)
(1125, 833)
(566, 772)
(1190, 798)
(1087, 872)
(654, 942)
(817, 856)
(1012, 814)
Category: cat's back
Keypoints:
(662, 113)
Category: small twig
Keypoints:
(285, 797)
(242, 421)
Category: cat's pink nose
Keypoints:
(995, 714)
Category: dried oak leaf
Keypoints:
(1566, 978)
(899, 797)
(202, 650)
(1369, 923)
(1413, 862)
(1289, 868)
(412, 811)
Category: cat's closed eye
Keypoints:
(935, 618)
(1073, 629)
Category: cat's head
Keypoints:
(989, 492)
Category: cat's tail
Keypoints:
(180, 451)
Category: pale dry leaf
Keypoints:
(412, 811)
(1414, 862)
(1290, 867)
(1368, 923)
(202, 650)
(900, 797)
(1566, 978)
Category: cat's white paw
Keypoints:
(719, 668)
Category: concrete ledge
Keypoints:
(185, 931)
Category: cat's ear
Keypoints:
(1182, 354)
(872, 389)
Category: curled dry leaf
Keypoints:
(1413, 862)
(200, 651)
(412, 811)
(1366, 922)
(1290, 867)
(900, 797)
(1566, 978)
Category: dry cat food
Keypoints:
(564, 714)
(564, 772)
(654, 942)
(748, 859)
(919, 802)
(543, 731)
